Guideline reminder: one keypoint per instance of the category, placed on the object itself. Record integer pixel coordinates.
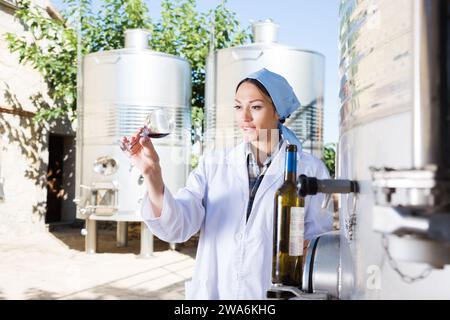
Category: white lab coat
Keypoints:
(234, 257)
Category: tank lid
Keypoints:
(136, 39)
(265, 31)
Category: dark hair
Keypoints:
(260, 86)
(256, 83)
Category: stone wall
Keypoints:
(24, 145)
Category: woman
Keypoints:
(229, 197)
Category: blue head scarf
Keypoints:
(283, 98)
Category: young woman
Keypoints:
(229, 197)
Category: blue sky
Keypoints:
(305, 24)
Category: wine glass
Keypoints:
(157, 124)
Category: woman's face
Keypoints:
(254, 111)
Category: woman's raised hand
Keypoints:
(146, 160)
(143, 154)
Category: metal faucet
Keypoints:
(308, 186)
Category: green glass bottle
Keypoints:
(287, 263)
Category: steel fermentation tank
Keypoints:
(302, 68)
(380, 46)
(119, 88)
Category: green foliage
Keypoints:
(51, 49)
(105, 29)
(182, 31)
(185, 32)
(329, 157)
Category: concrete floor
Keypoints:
(53, 265)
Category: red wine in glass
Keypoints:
(157, 125)
(157, 135)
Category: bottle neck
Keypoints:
(290, 173)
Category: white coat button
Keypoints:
(238, 236)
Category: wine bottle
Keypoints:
(287, 263)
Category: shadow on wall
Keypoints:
(32, 139)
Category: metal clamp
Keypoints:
(410, 202)
(418, 188)
(412, 206)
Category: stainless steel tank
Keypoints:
(387, 101)
(119, 88)
(302, 68)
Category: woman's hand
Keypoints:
(146, 160)
(143, 154)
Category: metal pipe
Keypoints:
(426, 112)
(80, 116)
(210, 92)
(146, 241)
(91, 236)
(311, 186)
(336, 186)
(122, 234)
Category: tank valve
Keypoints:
(308, 186)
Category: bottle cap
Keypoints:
(291, 148)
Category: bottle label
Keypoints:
(296, 231)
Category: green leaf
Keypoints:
(329, 157)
